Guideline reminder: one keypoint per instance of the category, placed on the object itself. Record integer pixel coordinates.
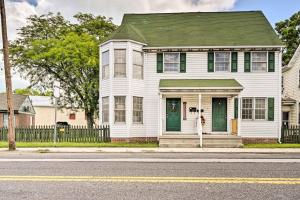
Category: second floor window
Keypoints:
(105, 65)
(138, 65)
(259, 61)
(120, 63)
(222, 61)
(171, 62)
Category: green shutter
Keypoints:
(271, 109)
(236, 108)
(182, 62)
(247, 61)
(159, 62)
(210, 63)
(271, 63)
(234, 62)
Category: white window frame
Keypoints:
(103, 113)
(299, 78)
(135, 64)
(125, 75)
(267, 62)
(253, 108)
(137, 110)
(105, 67)
(229, 66)
(115, 109)
(178, 70)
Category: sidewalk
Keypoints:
(154, 150)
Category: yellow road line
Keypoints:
(283, 181)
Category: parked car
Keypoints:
(62, 124)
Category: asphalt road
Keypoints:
(86, 179)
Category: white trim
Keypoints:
(122, 40)
(216, 47)
(204, 88)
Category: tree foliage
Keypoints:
(289, 33)
(51, 49)
(32, 92)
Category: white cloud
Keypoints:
(17, 12)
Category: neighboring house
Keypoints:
(291, 90)
(161, 73)
(45, 113)
(23, 111)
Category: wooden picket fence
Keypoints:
(81, 134)
(290, 134)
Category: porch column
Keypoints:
(199, 119)
(160, 118)
(239, 116)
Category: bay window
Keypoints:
(137, 110)
(120, 113)
(138, 65)
(105, 65)
(120, 63)
(105, 109)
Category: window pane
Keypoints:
(260, 108)
(137, 72)
(120, 63)
(105, 72)
(171, 67)
(138, 109)
(171, 57)
(105, 109)
(259, 66)
(247, 108)
(120, 109)
(259, 56)
(105, 58)
(222, 61)
(137, 58)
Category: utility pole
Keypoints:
(11, 128)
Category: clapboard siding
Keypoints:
(265, 84)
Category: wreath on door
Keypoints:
(202, 120)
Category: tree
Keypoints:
(32, 92)
(289, 33)
(51, 49)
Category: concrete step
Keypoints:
(177, 140)
(222, 145)
(178, 145)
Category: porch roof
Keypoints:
(200, 83)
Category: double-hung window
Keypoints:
(138, 65)
(120, 63)
(254, 108)
(222, 61)
(120, 114)
(137, 110)
(105, 65)
(105, 109)
(171, 62)
(259, 62)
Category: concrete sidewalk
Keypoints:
(154, 150)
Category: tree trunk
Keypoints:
(90, 118)
(11, 130)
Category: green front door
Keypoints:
(219, 114)
(173, 114)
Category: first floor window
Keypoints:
(120, 63)
(254, 108)
(259, 61)
(120, 108)
(222, 61)
(171, 62)
(105, 109)
(138, 109)
(5, 120)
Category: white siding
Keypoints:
(265, 84)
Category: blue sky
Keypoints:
(18, 10)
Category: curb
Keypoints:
(153, 150)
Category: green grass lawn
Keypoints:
(272, 145)
(72, 144)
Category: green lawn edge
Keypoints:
(272, 146)
(73, 144)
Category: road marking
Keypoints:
(228, 180)
(156, 160)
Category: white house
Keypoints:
(291, 90)
(192, 79)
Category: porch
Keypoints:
(199, 112)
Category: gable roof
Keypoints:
(292, 61)
(17, 100)
(245, 28)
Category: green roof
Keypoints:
(245, 28)
(231, 83)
